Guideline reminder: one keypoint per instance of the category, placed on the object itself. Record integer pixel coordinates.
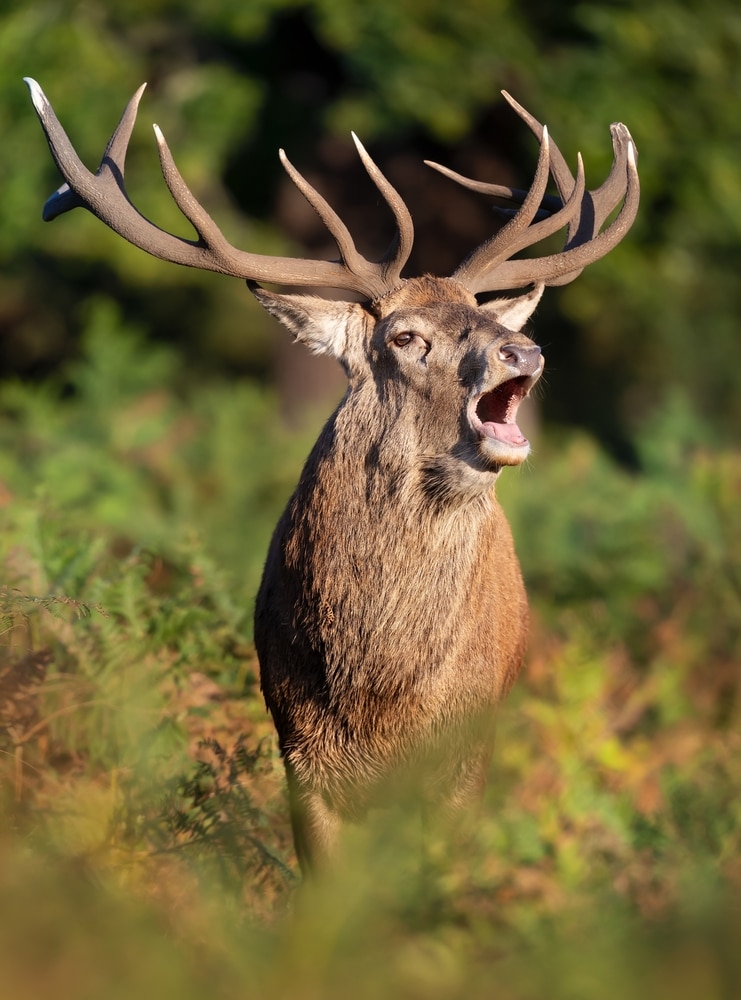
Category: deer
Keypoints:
(392, 618)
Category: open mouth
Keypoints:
(494, 414)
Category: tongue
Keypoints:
(497, 411)
(510, 433)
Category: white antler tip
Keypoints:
(632, 154)
(515, 105)
(288, 166)
(38, 96)
(358, 144)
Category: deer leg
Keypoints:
(468, 787)
(316, 827)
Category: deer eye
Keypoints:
(402, 339)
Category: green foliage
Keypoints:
(671, 72)
(638, 548)
(129, 454)
(117, 495)
(214, 813)
(391, 89)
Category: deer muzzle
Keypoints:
(493, 414)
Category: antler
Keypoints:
(103, 193)
(489, 267)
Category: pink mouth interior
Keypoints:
(497, 411)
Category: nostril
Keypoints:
(517, 353)
(526, 359)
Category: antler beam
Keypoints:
(103, 193)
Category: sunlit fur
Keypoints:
(392, 611)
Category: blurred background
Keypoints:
(153, 421)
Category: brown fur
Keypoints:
(392, 610)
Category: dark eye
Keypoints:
(402, 339)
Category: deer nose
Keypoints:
(525, 359)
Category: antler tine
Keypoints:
(209, 234)
(64, 155)
(390, 266)
(621, 183)
(561, 268)
(337, 228)
(556, 220)
(612, 189)
(583, 221)
(401, 247)
(607, 195)
(550, 203)
(104, 195)
(559, 167)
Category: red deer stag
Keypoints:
(392, 616)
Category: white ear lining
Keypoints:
(322, 324)
(515, 312)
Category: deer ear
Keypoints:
(323, 325)
(514, 313)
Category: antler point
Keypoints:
(38, 96)
(515, 105)
(159, 136)
(359, 145)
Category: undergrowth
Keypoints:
(145, 842)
